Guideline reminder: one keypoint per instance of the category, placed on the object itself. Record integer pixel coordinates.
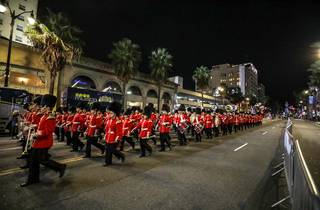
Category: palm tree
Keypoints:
(58, 42)
(201, 76)
(125, 59)
(160, 65)
(314, 78)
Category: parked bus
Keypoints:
(11, 100)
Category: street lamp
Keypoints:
(4, 6)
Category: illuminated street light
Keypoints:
(4, 6)
(306, 92)
(31, 19)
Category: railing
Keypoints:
(303, 193)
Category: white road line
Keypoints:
(11, 148)
(264, 133)
(240, 147)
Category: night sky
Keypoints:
(274, 35)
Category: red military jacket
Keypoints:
(145, 127)
(59, 118)
(69, 121)
(45, 130)
(208, 121)
(164, 123)
(99, 121)
(92, 125)
(197, 120)
(182, 120)
(236, 119)
(77, 122)
(36, 117)
(127, 126)
(113, 130)
(153, 117)
(224, 119)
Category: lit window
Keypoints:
(19, 28)
(22, 7)
(18, 38)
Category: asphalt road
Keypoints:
(308, 134)
(222, 173)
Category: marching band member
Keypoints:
(230, 122)
(145, 126)
(63, 122)
(126, 130)
(59, 116)
(77, 124)
(208, 124)
(164, 127)
(217, 124)
(91, 132)
(224, 123)
(43, 141)
(182, 125)
(113, 133)
(236, 121)
(68, 124)
(198, 125)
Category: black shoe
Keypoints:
(22, 156)
(161, 150)
(150, 153)
(87, 156)
(28, 183)
(74, 150)
(24, 167)
(142, 156)
(102, 151)
(62, 170)
(123, 159)
(133, 145)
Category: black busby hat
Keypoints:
(128, 112)
(72, 109)
(59, 109)
(26, 106)
(198, 110)
(182, 107)
(48, 100)
(189, 109)
(165, 107)
(95, 106)
(115, 107)
(147, 111)
(37, 100)
(81, 105)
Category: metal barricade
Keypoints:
(303, 193)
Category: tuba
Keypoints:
(229, 108)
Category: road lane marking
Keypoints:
(264, 133)
(11, 148)
(240, 147)
(17, 170)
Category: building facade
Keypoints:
(244, 76)
(21, 23)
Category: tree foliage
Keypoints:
(57, 47)
(160, 65)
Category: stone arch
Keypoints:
(152, 93)
(134, 90)
(112, 86)
(83, 81)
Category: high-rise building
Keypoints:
(261, 93)
(21, 23)
(243, 76)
